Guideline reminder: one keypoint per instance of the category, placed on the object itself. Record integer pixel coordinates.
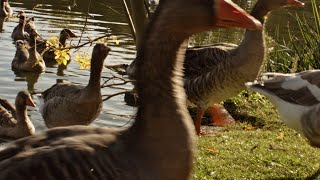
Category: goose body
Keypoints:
(160, 143)
(5, 9)
(28, 59)
(296, 97)
(65, 104)
(14, 121)
(214, 73)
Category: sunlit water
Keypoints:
(50, 19)
(105, 16)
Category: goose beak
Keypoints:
(295, 3)
(30, 102)
(231, 15)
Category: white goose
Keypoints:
(297, 99)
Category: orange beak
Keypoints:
(230, 14)
(295, 3)
(30, 102)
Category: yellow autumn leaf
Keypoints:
(83, 60)
(62, 56)
(280, 136)
(115, 39)
(249, 128)
(213, 151)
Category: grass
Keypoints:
(255, 148)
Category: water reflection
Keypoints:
(30, 77)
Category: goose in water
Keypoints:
(66, 104)
(297, 99)
(160, 143)
(28, 59)
(18, 32)
(214, 73)
(14, 120)
(48, 55)
(5, 9)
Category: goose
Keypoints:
(48, 55)
(28, 59)
(18, 32)
(5, 9)
(296, 97)
(30, 25)
(66, 104)
(14, 120)
(160, 143)
(214, 73)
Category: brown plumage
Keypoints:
(18, 32)
(160, 143)
(214, 73)
(67, 104)
(27, 58)
(14, 121)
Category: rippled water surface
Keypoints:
(105, 16)
(51, 17)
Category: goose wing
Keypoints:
(200, 60)
(61, 90)
(301, 88)
(7, 120)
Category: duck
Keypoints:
(48, 53)
(18, 32)
(217, 72)
(160, 144)
(66, 104)
(6, 10)
(27, 58)
(14, 120)
(296, 97)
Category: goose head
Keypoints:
(20, 44)
(263, 7)
(22, 17)
(24, 99)
(66, 34)
(201, 15)
(30, 24)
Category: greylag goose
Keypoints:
(48, 55)
(297, 99)
(30, 25)
(28, 59)
(66, 104)
(160, 143)
(214, 73)
(5, 9)
(18, 32)
(14, 121)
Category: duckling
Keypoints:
(28, 59)
(14, 120)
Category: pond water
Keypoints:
(105, 16)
